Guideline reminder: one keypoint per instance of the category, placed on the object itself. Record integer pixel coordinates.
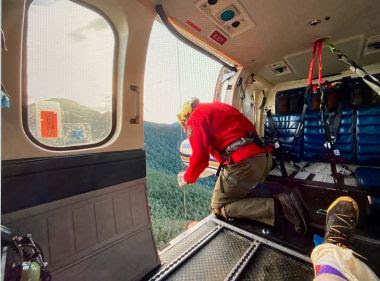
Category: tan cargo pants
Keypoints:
(235, 182)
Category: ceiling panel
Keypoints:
(282, 33)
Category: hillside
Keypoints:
(162, 143)
(169, 214)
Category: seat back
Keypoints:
(368, 136)
(314, 138)
(286, 126)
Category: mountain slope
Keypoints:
(162, 144)
(169, 211)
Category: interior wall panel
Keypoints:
(77, 229)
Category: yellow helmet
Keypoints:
(187, 108)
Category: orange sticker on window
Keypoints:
(49, 124)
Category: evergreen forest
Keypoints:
(170, 211)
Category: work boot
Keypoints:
(342, 217)
(293, 210)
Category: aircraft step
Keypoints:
(216, 250)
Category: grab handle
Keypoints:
(136, 94)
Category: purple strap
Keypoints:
(327, 269)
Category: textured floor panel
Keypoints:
(269, 265)
(318, 171)
(215, 260)
(170, 254)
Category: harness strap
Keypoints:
(334, 122)
(329, 142)
(308, 89)
(253, 138)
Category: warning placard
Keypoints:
(49, 124)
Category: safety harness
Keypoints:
(253, 137)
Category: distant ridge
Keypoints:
(162, 143)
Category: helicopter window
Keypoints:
(69, 75)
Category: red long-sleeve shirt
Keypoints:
(210, 128)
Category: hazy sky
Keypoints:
(70, 55)
(175, 72)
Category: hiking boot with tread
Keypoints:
(341, 220)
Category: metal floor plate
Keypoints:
(223, 255)
(269, 265)
(215, 260)
(169, 254)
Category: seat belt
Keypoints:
(334, 122)
(277, 145)
(329, 141)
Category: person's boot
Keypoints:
(342, 217)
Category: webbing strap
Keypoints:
(329, 142)
(311, 68)
(338, 178)
(317, 48)
(335, 122)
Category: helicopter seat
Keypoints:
(286, 126)
(368, 147)
(314, 138)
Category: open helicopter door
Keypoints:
(73, 163)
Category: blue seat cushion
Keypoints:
(368, 177)
(314, 138)
(286, 126)
(368, 136)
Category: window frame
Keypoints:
(24, 83)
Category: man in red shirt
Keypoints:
(225, 133)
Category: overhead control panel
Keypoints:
(229, 15)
